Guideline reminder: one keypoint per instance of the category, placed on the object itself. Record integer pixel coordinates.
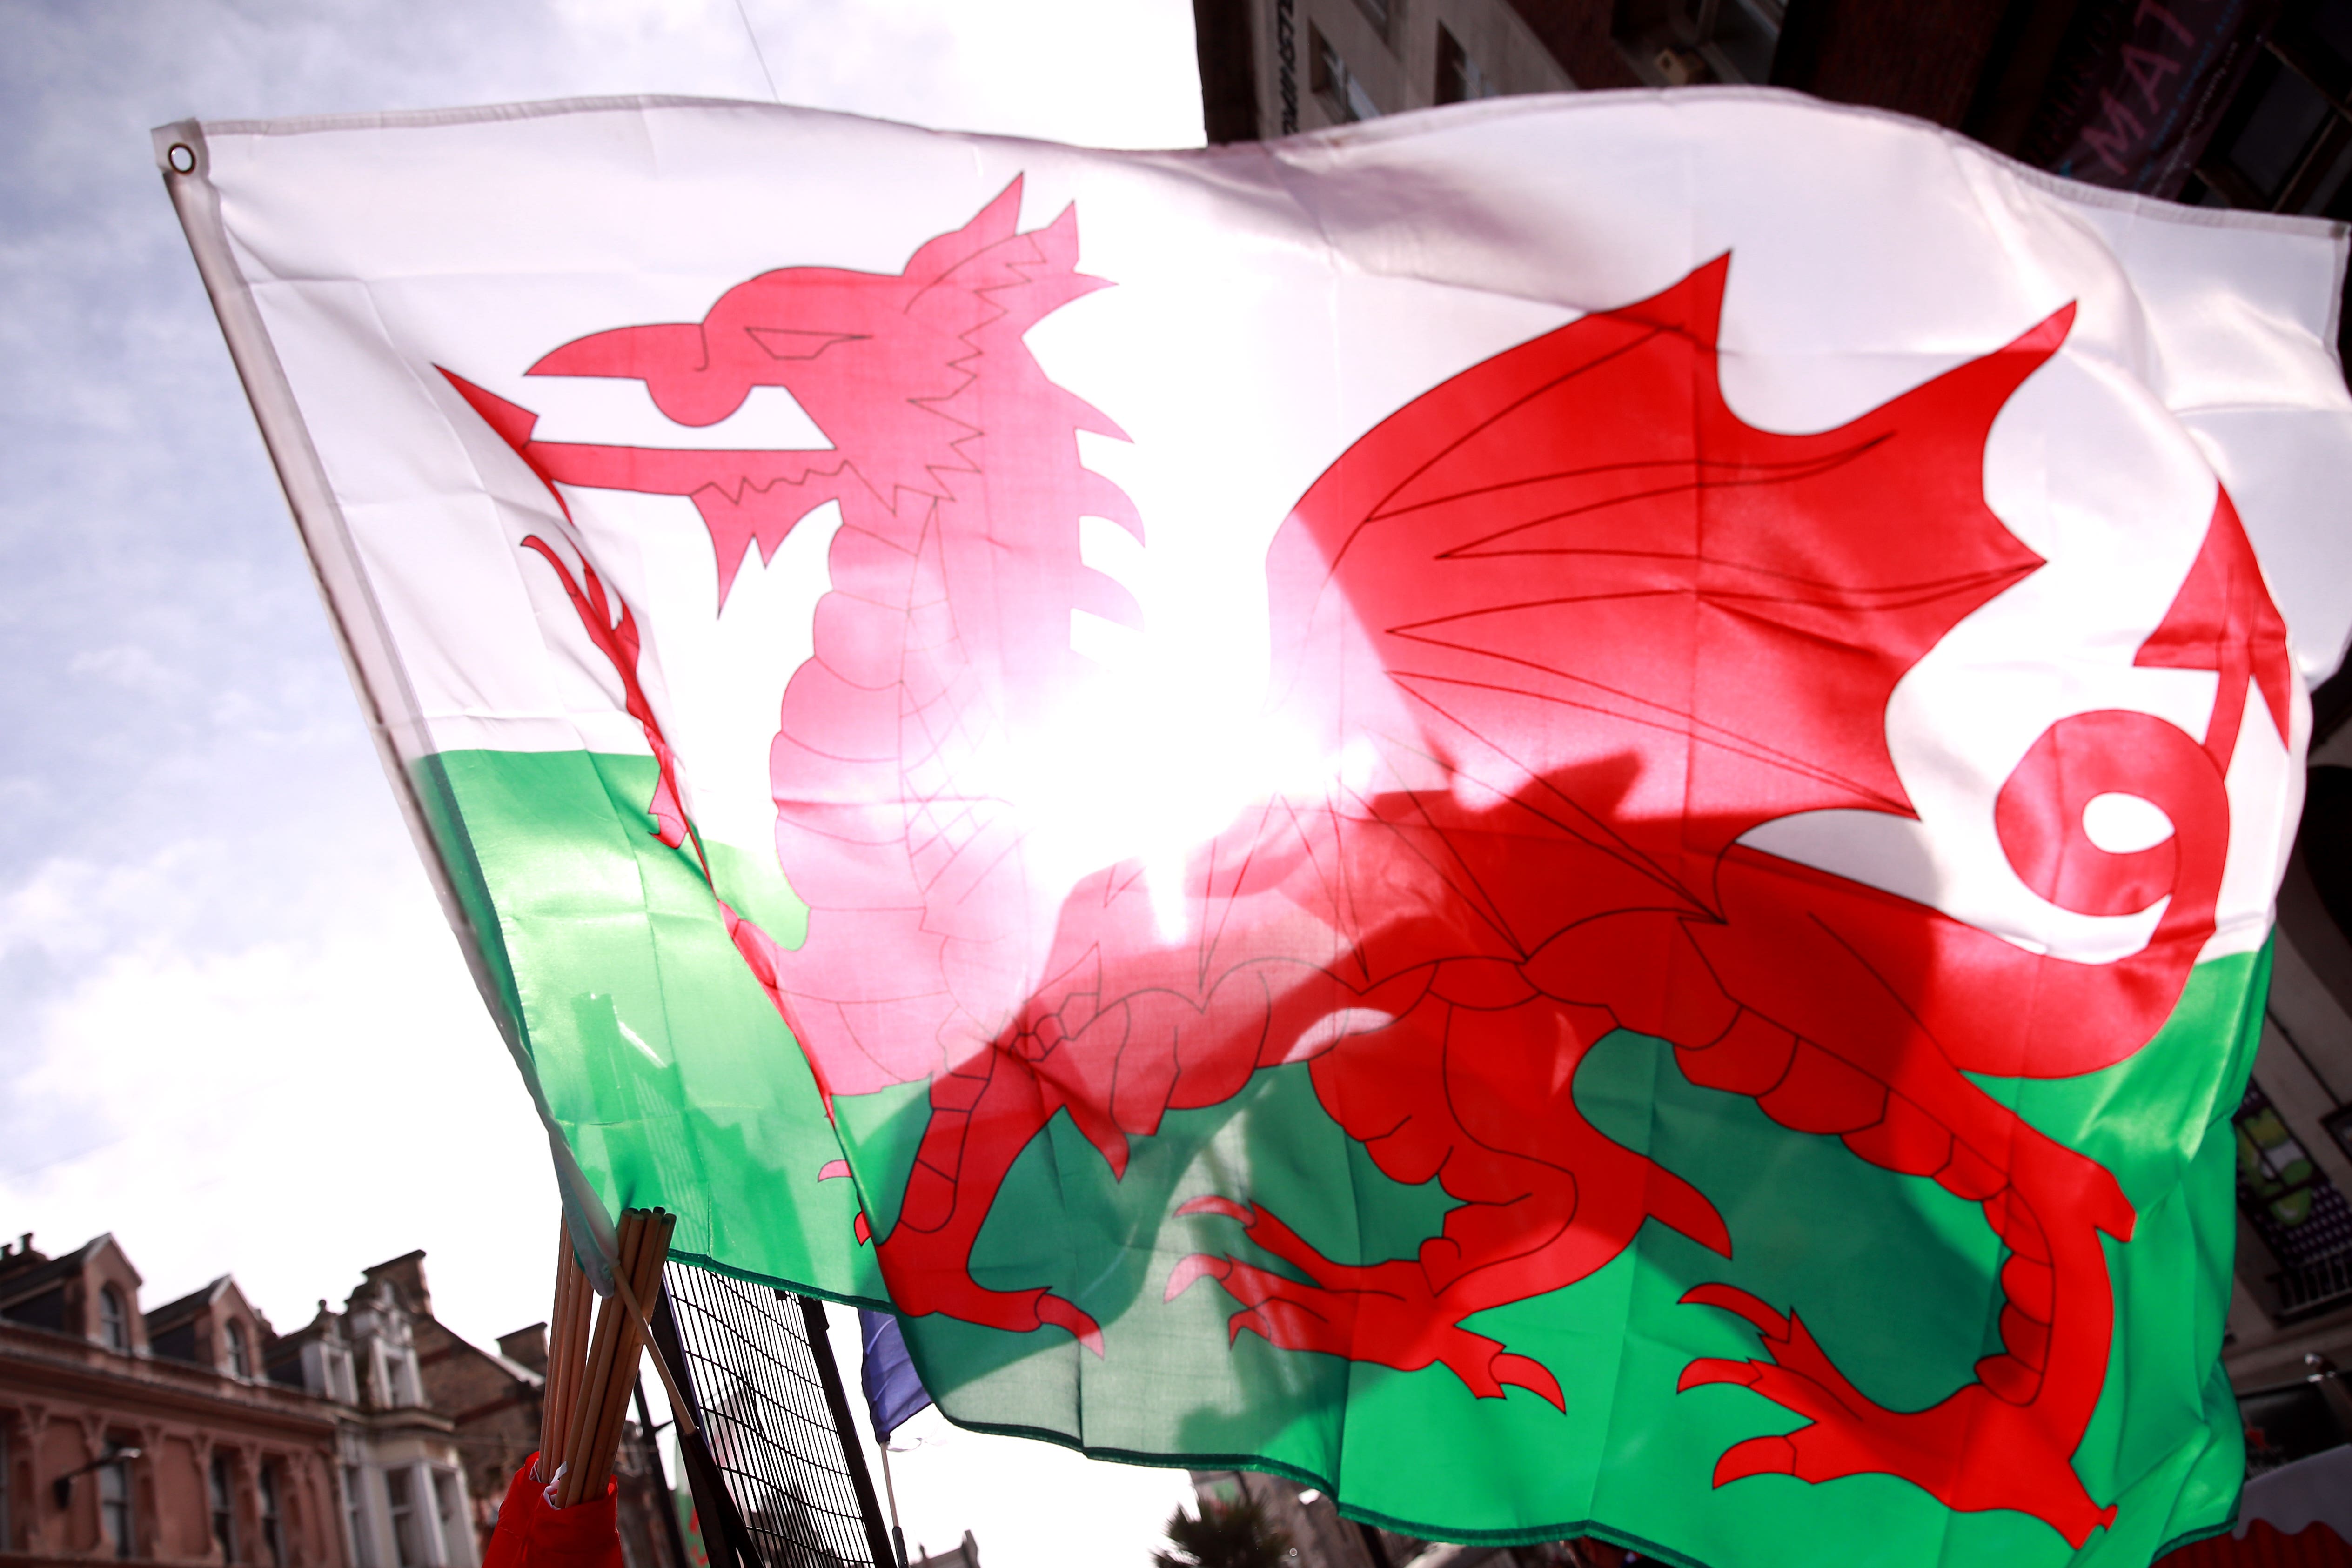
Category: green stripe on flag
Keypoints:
(658, 1055)
(1892, 1273)
(678, 1084)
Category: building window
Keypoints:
(113, 1321)
(1459, 80)
(1744, 35)
(396, 1376)
(407, 1538)
(1686, 42)
(2262, 97)
(224, 1509)
(356, 1516)
(2281, 146)
(114, 1506)
(1381, 15)
(273, 1531)
(2295, 1208)
(2339, 1123)
(1343, 94)
(448, 1506)
(240, 1355)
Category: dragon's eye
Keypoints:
(791, 342)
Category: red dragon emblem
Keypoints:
(1592, 629)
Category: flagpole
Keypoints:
(898, 1536)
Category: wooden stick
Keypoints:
(612, 1328)
(559, 1379)
(551, 1385)
(567, 1349)
(603, 1434)
(605, 1448)
(592, 1370)
(563, 1354)
(600, 1363)
(584, 1308)
(680, 1405)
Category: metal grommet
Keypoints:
(183, 158)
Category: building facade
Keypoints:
(402, 1477)
(152, 1436)
(373, 1437)
(1272, 67)
(491, 1400)
(2290, 1326)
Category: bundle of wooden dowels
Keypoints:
(590, 1373)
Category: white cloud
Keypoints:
(289, 1111)
(129, 665)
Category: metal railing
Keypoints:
(2316, 1287)
(778, 1474)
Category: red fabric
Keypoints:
(530, 1534)
(1585, 627)
(2314, 1546)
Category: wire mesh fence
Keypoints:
(777, 1469)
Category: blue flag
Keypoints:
(894, 1390)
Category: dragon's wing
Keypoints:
(1603, 595)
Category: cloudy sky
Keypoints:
(232, 1028)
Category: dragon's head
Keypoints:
(895, 370)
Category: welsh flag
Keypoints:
(1561, 815)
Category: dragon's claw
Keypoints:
(1383, 1312)
(1053, 1310)
(1717, 1369)
(920, 1286)
(1526, 1371)
(1755, 1457)
(1741, 1303)
(1973, 1451)
(1198, 1266)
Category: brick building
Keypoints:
(374, 1437)
(156, 1436)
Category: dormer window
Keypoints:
(113, 1319)
(327, 1368)
(240, 1355)
(396, 1369)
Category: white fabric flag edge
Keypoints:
(358, 625)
